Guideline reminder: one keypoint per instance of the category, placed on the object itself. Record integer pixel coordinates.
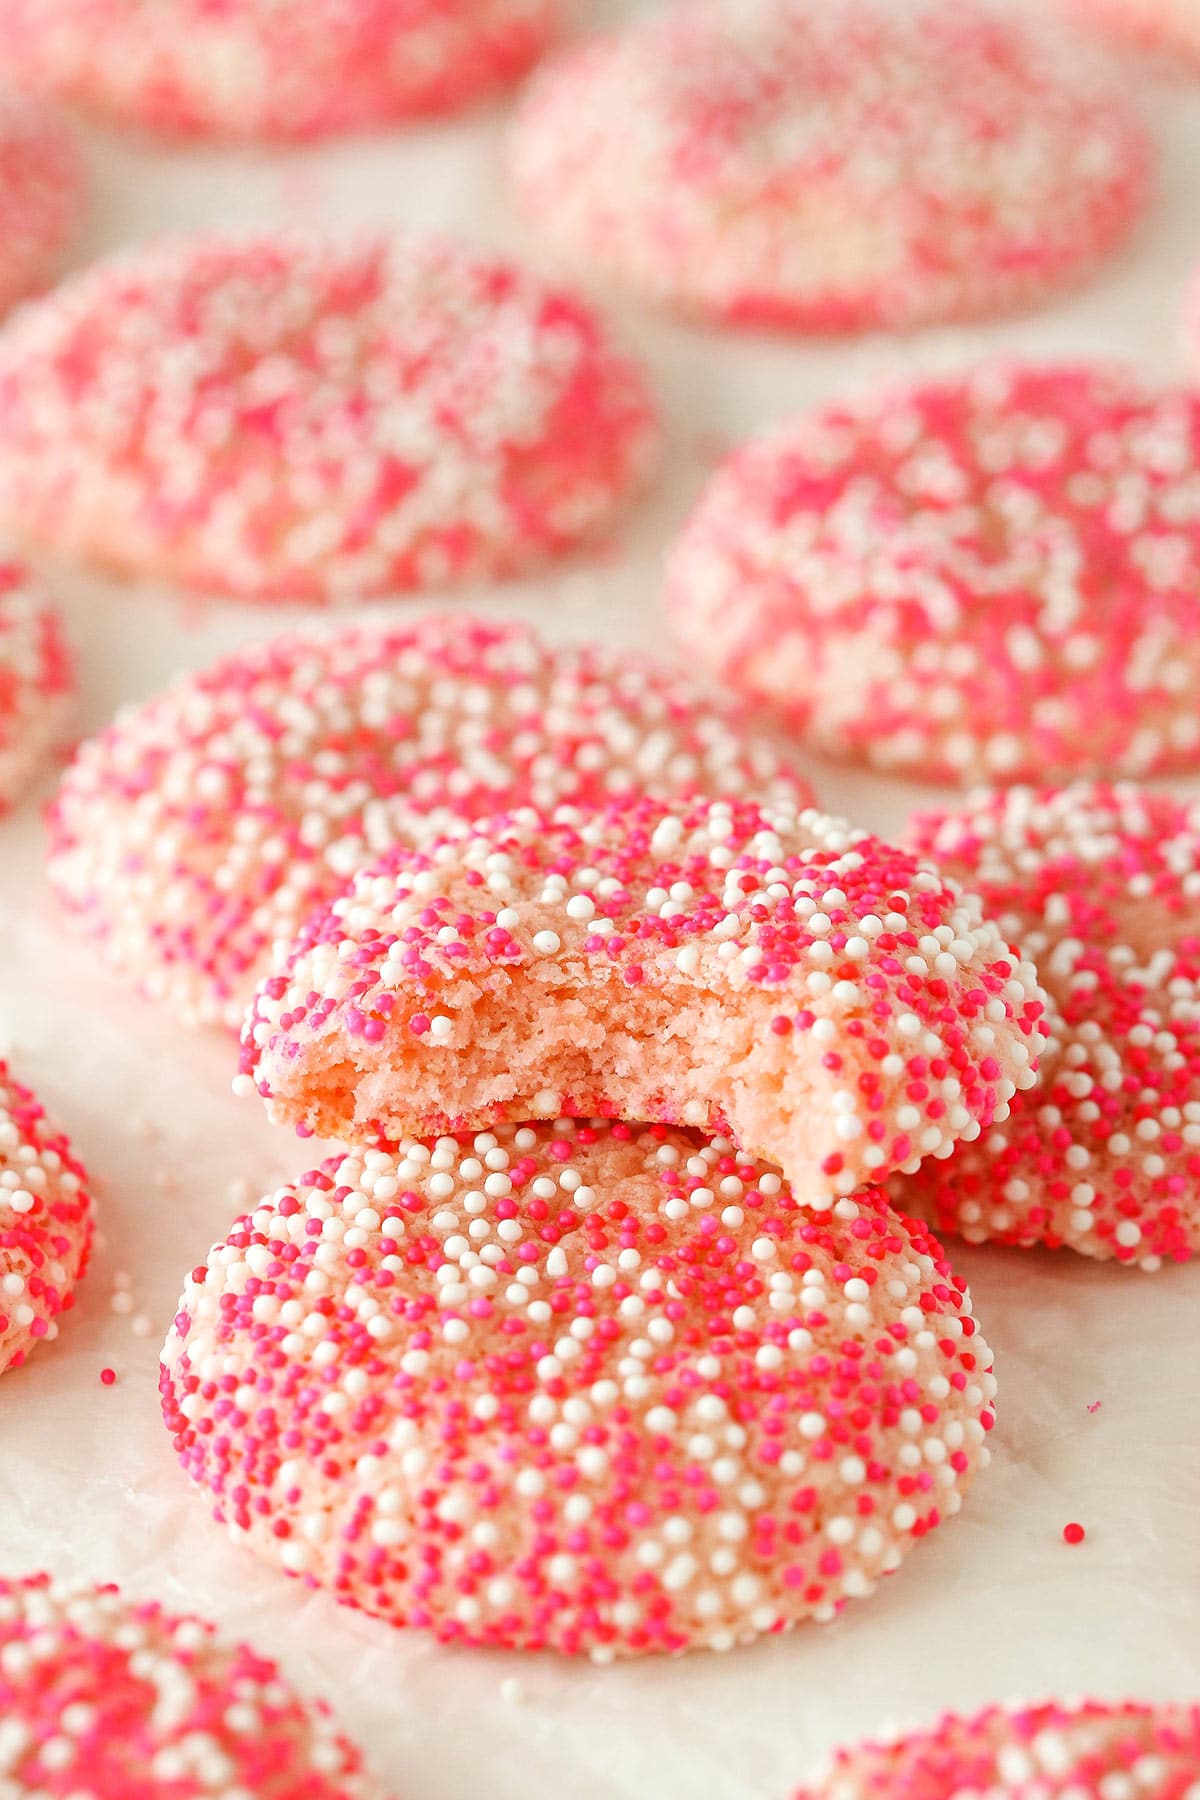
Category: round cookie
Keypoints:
(1169, 25)
(301, 417)
(41, 193)
(834, 1005)
(988, 578)
(598, 1388)
(1101, 888)
(259, 69)
(1050, 1751)
(1191, 324)
(835, 167)
(45, 1224)
(36, 681)
(115, 1699)
(202, 827)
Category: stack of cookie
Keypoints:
(602, 1334)
(607, 1316)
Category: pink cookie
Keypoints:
(202, 827)
(596, 1388)
(307, 418)
(837, 1007)
(833, 167)
(103, 1698)
(36, 682)
(41, 193)
(259, 69)
(1092, 1748)
(1101, 888)
(1191, 324)
(45, 1225)
(1169, 25)
(991, 578)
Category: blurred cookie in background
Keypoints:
(1170, 26)
(258, 69)
(1050, 1751)
(836, 166)
(42, 189)
(993, 577)
(36, 681)
(293, 416)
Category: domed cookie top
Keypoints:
(596, 1388)
(259, 69)
(1101, 887)
(992, 577)
(1044, 1752)
(302, 417)
(45, 1224)
(114, 1698)
(832, 167)
(838, 1007)
(206, 824)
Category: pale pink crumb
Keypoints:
(835, 1005)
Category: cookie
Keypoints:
(835, 167)
(41, 194)
(46, 1220)
(258, 69)
(1171, 26)
(1101, 887)
(309, 418)
(596, 1388)
(205, 825)
(1051, 1751)
(834, 1005)
(116, 1698)
(36, 681)
(987, 578)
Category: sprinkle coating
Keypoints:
(837, 1007)
(202, 827)
(36, 681)
(103, 1698)
(992, 578)
(600, 1388)
(45, 1226)
(1191, 323)
(832, 168)
(261, 69)
(41, 193)
(1050, 1751)
(302, 417)
(1101, 887)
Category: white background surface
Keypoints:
(995, 1604)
